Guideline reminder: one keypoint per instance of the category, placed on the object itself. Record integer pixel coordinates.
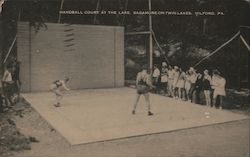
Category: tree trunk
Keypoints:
(1, 45)
(1, 60)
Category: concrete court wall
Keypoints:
(92, 56)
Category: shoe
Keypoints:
(133, 112)
(57, 105)
(150, 113)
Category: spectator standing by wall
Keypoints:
(180, 84)
(170, 81)
(207, 87)
(218, 85)
(156, 77)
(164, 78)
(175, 81)
(198, 88)
(187, 85)
(193, 78)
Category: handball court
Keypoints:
(94, 115)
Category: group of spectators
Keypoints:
(207, 87)
(10, 84)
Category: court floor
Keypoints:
(93, 115)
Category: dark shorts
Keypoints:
(164, 84)
(142, 89)
(8, 88)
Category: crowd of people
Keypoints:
(206, 87)
(10, 84)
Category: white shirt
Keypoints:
(7, 77)
(218, 84)
(193, 77)
(171, 74)
(145, 77)
(156, 72)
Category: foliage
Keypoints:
(183, 39)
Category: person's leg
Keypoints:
(9, 93)
(136, 102)
(186, 93)
(221, 101)
(191, 91)
(179, 92)
(158, 86)
(155, 84)
(18, 89)
(58, 97)
(1, 103)
(170, 89)
(5, 91)
(146, 95)
(206, 97)
(214, 100)
(9, 97)
(183, 94)
(166, 89)
(176, 93)
(198, 100)
(194, 97)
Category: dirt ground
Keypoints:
(223, 140)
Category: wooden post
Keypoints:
(204, 26)
(150, 38)
(239, 63)
(1, 45)
(97, 8)
(1, 58)
(137, 33)
(59, 18)
(30, 57)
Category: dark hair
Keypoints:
(144, 67)
(215, 71)
(66, 79)
(9, 66)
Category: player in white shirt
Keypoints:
(156, 77)
(218, 85)
(55, 88)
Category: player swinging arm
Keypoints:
(55, 88)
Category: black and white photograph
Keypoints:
(124, 78)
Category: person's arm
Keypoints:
(149, 82)
(209, 78)
(5, 75)
(137, 79)
(222, 83)
(158, 74)
(64, 85)
(213, 82)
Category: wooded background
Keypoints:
(184, 39)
